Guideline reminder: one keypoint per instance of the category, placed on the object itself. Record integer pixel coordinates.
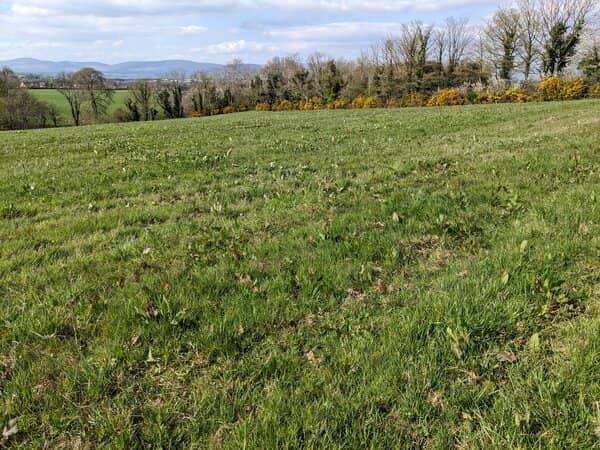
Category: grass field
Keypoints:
(415, 278)
(53, 97)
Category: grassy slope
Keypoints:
(164, 284)
(53, 97)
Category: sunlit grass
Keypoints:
(338, 279)
(55, 98)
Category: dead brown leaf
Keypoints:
(435, 400)
(472, 377)
(244, 279)
(381, 288)
(313, 359)
(133, 340)
(507, 357)
(353, 297)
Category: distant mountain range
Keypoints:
(126, 70)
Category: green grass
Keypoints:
(416, 278)
(53, 97)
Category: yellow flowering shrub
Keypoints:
(370, 102)
(283, 105)
(337, 104)
(358, 102)
(262, 106)
(229, 110)
(313, 104)
(415, 100)
(574, 89)
(550, 89)
(486, 97)
(446, 97)
(513, 95)
(596, 90)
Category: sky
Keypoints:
(218, 31)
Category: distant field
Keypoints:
(413, 278)
(53, 97)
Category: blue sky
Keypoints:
(211, 30)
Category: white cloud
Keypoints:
(182, 7)
(236, 47)
(214, 30)
(337, 31)
(192, 29)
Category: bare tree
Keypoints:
(316, 63)
(458, 39)
(74, 95)
(528, 38)
(501, 39)
(439, 44)
(95, 88)
(413, 46)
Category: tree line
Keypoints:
(520, 45)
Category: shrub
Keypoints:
(487, 97)
(470, 96)
(283, 105)
(446, 97)
(229, 109)
(574, 89)
(195, 114)
(313, 104)
(317, 103)
(550, 89)
(370, 102)
(358, 102)
(407, 101)
(337, 104)
(120, 115)
(596, 90)
(262, 106)
(513, 95)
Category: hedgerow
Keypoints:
(550, 89)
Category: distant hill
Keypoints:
(126, 70)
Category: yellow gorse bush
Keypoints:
(283, 105)
(370, 102)
(337, 104)
(358, 102)
(574, 89)
(262, 106)
(312, 104)
(514, 95)
(596, 90)
(446, 97)
(550, 89)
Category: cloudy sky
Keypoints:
(210, 30)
